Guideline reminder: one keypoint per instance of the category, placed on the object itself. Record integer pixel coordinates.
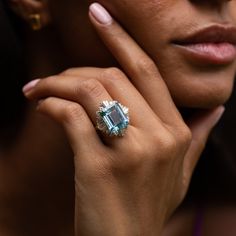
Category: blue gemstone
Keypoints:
(115, 119)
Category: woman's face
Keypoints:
(191, 42)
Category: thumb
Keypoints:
(200, 126)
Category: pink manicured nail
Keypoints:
(30, 85)
(219, 113)
(100, 14)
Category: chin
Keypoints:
(193, 86)
(202, 92)
(201, 101)
(189, 103)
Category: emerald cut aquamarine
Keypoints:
(113, 118)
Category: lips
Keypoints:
(212, 45)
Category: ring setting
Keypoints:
(112, 118)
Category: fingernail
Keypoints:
(218, 114)
(100, 14)
(30, 85)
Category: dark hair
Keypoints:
(12, 74)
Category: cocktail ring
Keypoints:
(112, 118)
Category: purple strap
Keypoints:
(198, 223)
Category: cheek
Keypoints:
(199, 89)
(233, 9)
(136, 13)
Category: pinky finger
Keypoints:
(72, 116)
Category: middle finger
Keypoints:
(91, 92)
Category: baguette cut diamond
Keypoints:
(113, 118)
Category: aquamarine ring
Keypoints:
(112, 118)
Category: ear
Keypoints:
(34, 12)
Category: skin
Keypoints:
(156, 178)
(209, 89)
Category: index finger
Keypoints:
(137, 65)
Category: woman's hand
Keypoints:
(124, 185)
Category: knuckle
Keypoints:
(164, 140)
(169, 144)
(186, 136)
(138, 154)
(164, 147)
(146, 66)
(69, 71)
(44, 84)
(111, 77)
(133, 156)
(72, 112)
(141, 149)
(90, 87)
(114, 34)
(112, 72)
(50, 78)
(43, 105)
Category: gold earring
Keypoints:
(35, 21)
